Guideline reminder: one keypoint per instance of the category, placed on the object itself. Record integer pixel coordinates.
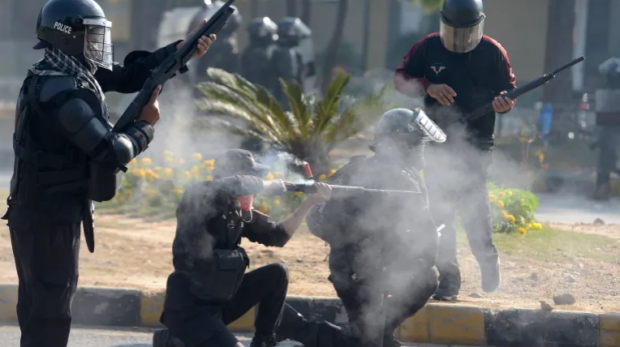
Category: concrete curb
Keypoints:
(436, 323)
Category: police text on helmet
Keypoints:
(63, 27)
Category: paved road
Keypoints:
(99, 337)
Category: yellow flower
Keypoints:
(197, 156)
(195, 171)
(332, 171)
(322, 177)
(188, 175)
(502, 194)
(276, 202)
(127, 192)
(269, 177)
(168, 154)
(209, 178)
(509, 192)
(181, 161)
(139, 172)
(492, 197)
(534, 226)
(168, 172)
(157, 168)
(150, 175)
(169, 161)
(133, 161)
(178, 191)
(262, 207)
(509, 218)
(146, 161)
(500, 204)
(278, 174)
(522, 231)
(298, 193)
(209, 163)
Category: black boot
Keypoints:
(163, 338)
(264, 341)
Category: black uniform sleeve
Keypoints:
(86, 129)
(506, 80)
(130, 77)
(266, 231)
(409, 78)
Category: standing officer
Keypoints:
(386, 244)
(209, 287)
(608, 120)
(458, 70)
(287, 62)
(256, 59)
(224, 53)
(66, 156)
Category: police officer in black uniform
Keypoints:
(209, 287)
(608, 121)
(383, 245)
(224, 53)
(255, 60)
(458, 70)
(66, 156)
(287, 61)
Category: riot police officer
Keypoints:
(255, 60)
(385, 245)
(286, 61)
(224, 53)
(458, 70)
(209, 287)
(608, 120)
(66, 156)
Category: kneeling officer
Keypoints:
(208, 288)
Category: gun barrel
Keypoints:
(340, 189)
(569, 65)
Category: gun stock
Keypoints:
(172, 64)
(516, 93)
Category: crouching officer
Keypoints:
(209, 287)
(382, 245)
(66, 156)
(386, 245)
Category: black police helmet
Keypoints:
(406, 129)
(76, 27)
(263, 29)
(462, 24)
(291, 30)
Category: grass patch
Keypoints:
(554, 245)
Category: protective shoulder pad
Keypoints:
(74, 114)
(54, 85)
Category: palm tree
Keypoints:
(309, 131)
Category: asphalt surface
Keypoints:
(99, 337)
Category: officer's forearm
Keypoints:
(292, 223)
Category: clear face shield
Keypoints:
(461, 40)
(98, 42)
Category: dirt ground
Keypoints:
(134, 253)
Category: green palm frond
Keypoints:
(312, 127)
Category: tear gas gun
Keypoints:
(310, 188)
(515, 93)
(162, 73)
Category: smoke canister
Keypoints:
(308, 170)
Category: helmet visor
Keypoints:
(98, 43)
(461, 40)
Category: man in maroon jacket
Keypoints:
(458, 70)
